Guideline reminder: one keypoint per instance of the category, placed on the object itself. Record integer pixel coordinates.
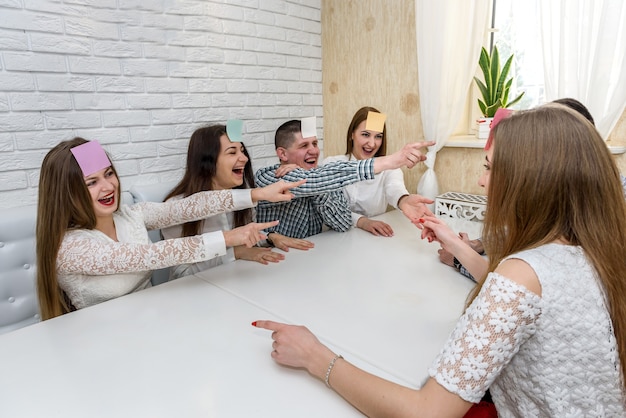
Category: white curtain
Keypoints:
(584, 52)
(450, 34)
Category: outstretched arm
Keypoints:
(434, 229)
(327, 178)
(413, 206)
(208, 203)
(408, 156)
(296, 346)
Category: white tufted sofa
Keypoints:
(18, 296)
(18, 290)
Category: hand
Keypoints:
(284, 243)
(247, 235)
(284, 169)
(275, 192)
(258, 254)
(408, 156)
(476, 244)
(378, 228)
(448, 258)
(296, 346)
(435, 229)
(411, 153)
(413, 206)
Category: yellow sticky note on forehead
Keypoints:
(375, 121)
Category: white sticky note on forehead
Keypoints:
(308, 128)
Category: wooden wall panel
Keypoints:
(369, 58)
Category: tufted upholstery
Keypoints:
(18, 296)
(18, 291)
(154, 193)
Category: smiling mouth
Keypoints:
(238, 171)
(107, 201)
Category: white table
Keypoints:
(187, 349)
(386, 301)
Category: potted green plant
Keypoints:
(494, 89)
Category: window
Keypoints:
(515, 30)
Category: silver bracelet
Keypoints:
(330, 368)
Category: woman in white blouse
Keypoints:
(372, 197)
(545, 332)
(91, 248)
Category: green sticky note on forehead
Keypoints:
(308, 128)
(234, 127)
(375, 121)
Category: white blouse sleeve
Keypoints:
(81, 254)
(487, 336)
(195, 207)
(394, 186)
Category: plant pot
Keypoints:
(484, 126)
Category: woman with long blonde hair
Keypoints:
(545, 331)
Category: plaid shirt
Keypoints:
(319, 201)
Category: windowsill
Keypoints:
(470, 141)
(465, 141)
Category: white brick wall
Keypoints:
(141, 75)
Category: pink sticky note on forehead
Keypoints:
(90, 157)
(500, 114)
(375, 121)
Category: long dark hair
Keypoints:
(202, 154)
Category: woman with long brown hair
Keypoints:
(91, 248)
(545, 331)
(214, 162)
(370, 198)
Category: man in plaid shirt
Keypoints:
(320, 202)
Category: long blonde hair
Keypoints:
(64, 202)
(552, 177)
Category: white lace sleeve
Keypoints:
(81, 254)
(177, 211)
(487, 336)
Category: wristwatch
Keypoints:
(269, 241)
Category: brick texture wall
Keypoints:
(141, 75)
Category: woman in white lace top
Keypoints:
(91, 248)
(546, 330)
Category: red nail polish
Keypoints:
(421, 220)
(254, 324)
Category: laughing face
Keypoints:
(302, 152)
(231, 162)
(365, 143)
(103, 186)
